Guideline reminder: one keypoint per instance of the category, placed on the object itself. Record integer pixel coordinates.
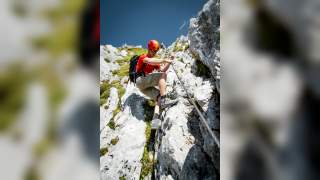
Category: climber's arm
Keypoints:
(167, 65)
(155, 61)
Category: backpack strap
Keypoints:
(143, 65)
(137, 74)
(141, 71)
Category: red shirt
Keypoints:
(148, 68)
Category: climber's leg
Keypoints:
(157, 107)
(162, 84)
(156, 122)
(155, 79)
(147, 85)
(151, 92)
(163, 100)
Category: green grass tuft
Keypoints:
(148, 132)
(148, 110)
(151, 103)
(32, 173)
(137, 51)
(102, 101)
(105, 87)
(42, 147)
(112, 124)
(13, 83)
(117, 110)
(103, 151)
(125, 61)
(147, 163)
(114, 141)
(124, 67)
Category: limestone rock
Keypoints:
(204, 36)
(184, 140)
(123, 157)
(106, 110)
(186, 150)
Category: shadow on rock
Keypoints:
(194, 127)
(136, 104)
(197, 166)
(172, 166)
(84, 121)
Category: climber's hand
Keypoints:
(171, 56)
(168, 61)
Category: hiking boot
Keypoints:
(156, 122)
(165, 102)
(172, 95)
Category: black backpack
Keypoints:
(133, 74)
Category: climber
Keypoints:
(154, 75)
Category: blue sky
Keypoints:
(136, 21)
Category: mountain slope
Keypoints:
(187, 151)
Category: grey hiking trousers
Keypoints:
(147, 84)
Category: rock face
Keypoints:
(122, 132)
(108, 55)
(204, 36)
(186, 150)
(265, 98)
(125, 144)
(107, 114)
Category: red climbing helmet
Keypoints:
(153, 45)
